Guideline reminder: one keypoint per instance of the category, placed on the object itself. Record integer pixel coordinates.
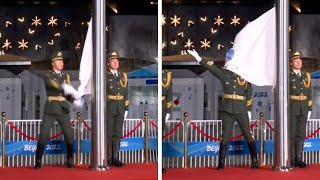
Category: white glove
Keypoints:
(249, 115)
(167, 117)
(309, 114)
(78, 103)
(68, 89)
(125, 114)
(195, 55)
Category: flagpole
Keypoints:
(282, 160)
(99, 156)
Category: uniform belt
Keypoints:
(234, 97)
(163, 98)
(56, 98)
(298, 98)
(115, 97)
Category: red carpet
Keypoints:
(134, 172)
(243, 173)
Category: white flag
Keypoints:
(85, 72)
(254, 56)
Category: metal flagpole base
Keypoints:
(101, 168)
(282, 168)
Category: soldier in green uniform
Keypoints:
(236, 106)
(300, 108)
(117, 107)
(56, 109)
(167, 103)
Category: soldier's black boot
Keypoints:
(254, 158)
(69, 162)
(299, 151)
(39, 152)
(115, 153)
(222, 155)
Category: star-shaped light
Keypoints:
(218, 21)
(163, 20)
(23, 44)
(36, 22)
(175, 20)
(7, 45)
(205, 44)
(164, 45)
(189, 44)
(235, 20)
(77, 46)
(52, 21)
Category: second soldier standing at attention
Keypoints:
(117, 107)
(236, 106)
(300, 108)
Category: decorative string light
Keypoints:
(57, 35)
(36, 22)
(163, 20)
(189, 44)
(66, 24)
(180, 34)
(51, 42)
(190, 23)
(175, 20)
(77, 47)
(218, 21)
(7, 45)
(37, 47)
(31, 31)
(52, 21)
(220, 46)
(8, 23)
(21, 19)
(205, 44)
(203, 19)
(23, 44)
(213, 31)
(173, 42)
(235, 21)
(164, 45)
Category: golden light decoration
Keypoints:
(23, 44)
(52, 21)
(57, 35)
(164, 45)
(290, 28)
(0, 35)
(8, 23)
(220, 46)
(189, 44)
(181, 34)
(173, 42)
(175, 20)
(37, 47)
(36, 22)
(66, 24)
(21, 19)
(190, 23)
(218, 21)
(203, 19)
(51, 42)
(31, 31)
(7, 45)
(213, 31)
(77, 47)
(163, 20)
(205, 44)
(235, 21)
(107, 28)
